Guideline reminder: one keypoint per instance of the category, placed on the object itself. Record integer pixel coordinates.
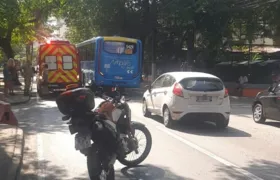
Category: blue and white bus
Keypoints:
(111, 61)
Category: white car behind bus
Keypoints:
(184, 95)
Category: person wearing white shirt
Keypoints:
(243, 79)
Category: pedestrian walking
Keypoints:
(7, 79)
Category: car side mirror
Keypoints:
(271, 89)
(149, 87)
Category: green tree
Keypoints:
(179, 23)
(23, 21)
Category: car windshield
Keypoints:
(202, 84)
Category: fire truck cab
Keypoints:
(63, 66)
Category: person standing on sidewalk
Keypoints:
(7, 79)
(12, 73)
(243, 79)
(28, 76)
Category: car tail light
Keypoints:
(178, 90)
(226, 93)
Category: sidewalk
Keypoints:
(18, 98)
(11, 151)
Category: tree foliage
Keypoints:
(199, 24)
(24, 21)
(207, 24)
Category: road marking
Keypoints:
(208, 153)
(40, 154)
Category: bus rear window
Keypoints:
(116, 47)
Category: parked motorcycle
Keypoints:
(106, 134)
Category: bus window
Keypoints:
(82, 52)
(93, 50)
(90, 51)
(67, 62)
(51, 61)
(119, 47)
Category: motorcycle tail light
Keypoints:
(82, 97)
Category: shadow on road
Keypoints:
(205, 129)
(273, 123)
(46, 110)
(147, 172)
(143, 172)
(6, 160)
(50, 172)
(245, 112)
(210, 129)
(261, 168)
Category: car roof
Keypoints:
(182, 75)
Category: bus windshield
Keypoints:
(116, 47)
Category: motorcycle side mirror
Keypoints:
(127, 99)
(65, 118)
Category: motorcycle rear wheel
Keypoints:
(95, 170)
(147, 150)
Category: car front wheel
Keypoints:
(258, 115)
(145, 110)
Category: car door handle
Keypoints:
(165, 92)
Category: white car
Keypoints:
(178, 95)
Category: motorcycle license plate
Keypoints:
(82, 141)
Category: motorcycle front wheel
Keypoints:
(95, 170)
(138, 127)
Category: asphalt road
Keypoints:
(244, 150)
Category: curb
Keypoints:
(14, 172)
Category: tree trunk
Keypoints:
(28, 69)
(5, 44)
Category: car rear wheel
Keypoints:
(167, 119)
(222, 123)
(258, 115)
(145, 110)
